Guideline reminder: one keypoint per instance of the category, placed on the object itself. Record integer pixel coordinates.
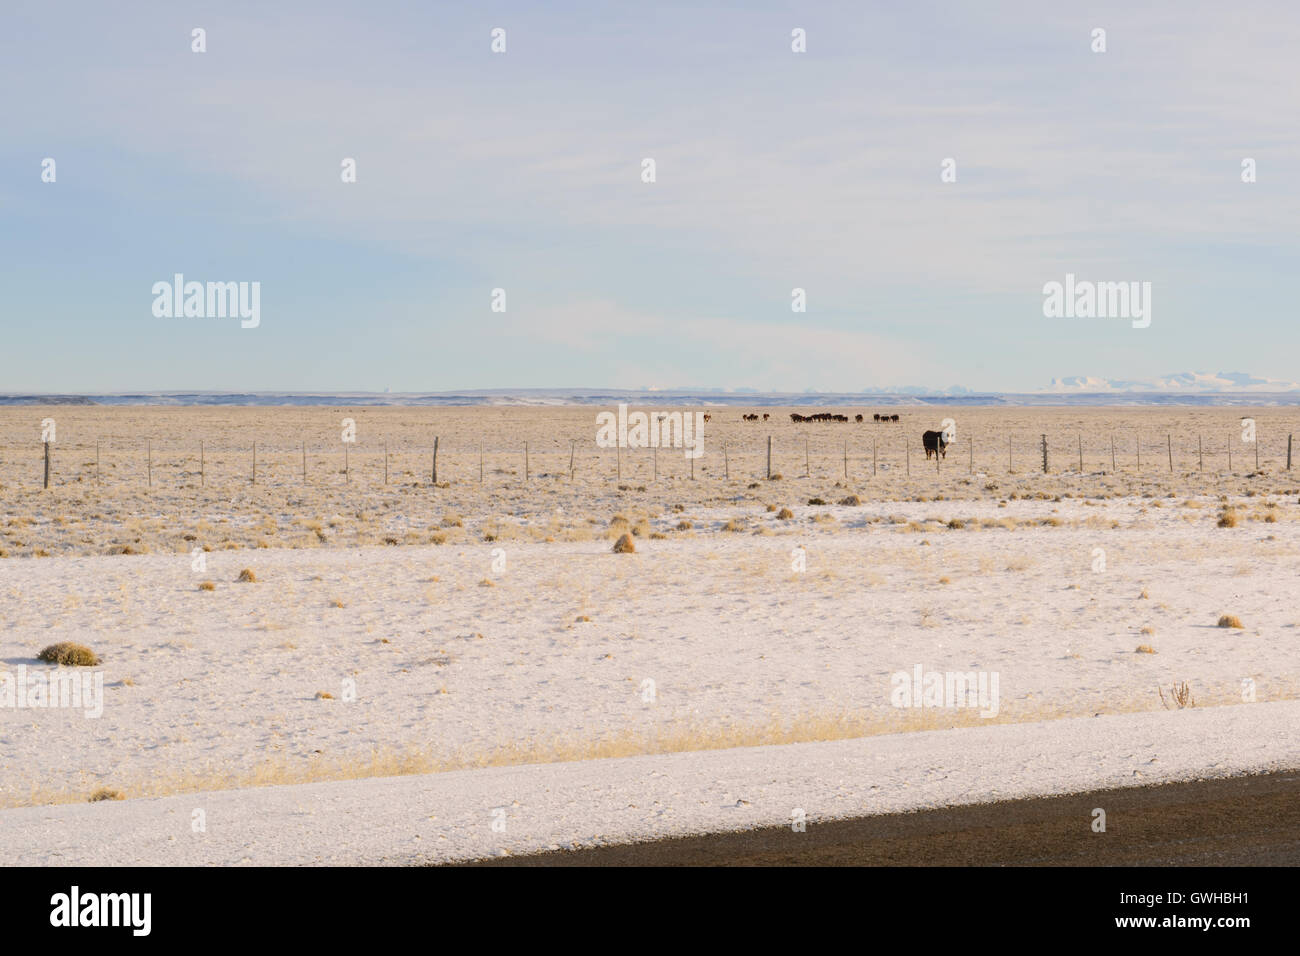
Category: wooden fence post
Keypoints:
(385, 462)
(1010, 466)
(769, 456)
(1288, 451)
(1256, 444)
(1229, 451)
(1139, 450)
(1169, 444)
(1081, 453)
(1044, 454)
(304, 463)
(525, 461)
(96, 461)
(47, 466)
(347, 467)
(970, 469)
(656, 457)
(1113, 469)
(907, 451)
(873, 456)
(846, 458)
(1200, 455)
(618, 459)
(572, 444)
(726, 463)
(254, 473)
(433, 475)
(148, 451)
(203, 476)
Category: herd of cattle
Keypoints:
(818, 417)
(935, 443)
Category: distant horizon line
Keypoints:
(552, 396)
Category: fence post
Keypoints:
(1044, 454)
(1288, 452)
(1139, 450)
(254, 462)
(433, 475)
(1256, 444)
(347, 467)
(47, 466)
(1010, 467)
(96, 461)
(846, 458)
(148, 451)
(1081, 453)
(873, 456)
(907, 451)
(656, 457)
(385, 462)
(304, 463)
(807, 470)
(1113, 469)
(971, 467)
(726, 463)
(769, 456)
(572, 443)
(1229, 451)
(618, 459)
(1169, 443)
(1200, 455)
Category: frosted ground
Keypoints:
(520, 639)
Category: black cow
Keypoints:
(935, 443)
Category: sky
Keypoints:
(523, 171)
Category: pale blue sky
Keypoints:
(521, 171)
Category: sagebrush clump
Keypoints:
(69, 654)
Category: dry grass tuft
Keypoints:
(624, 545)
(106, 793)
(1230, 620)
(247, 576)
(1145, 649)
(785, 514)
(69, 654)
(207, 586)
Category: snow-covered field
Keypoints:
(444, 657)
(495, 637)
(473, 814)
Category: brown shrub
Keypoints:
(69, 654)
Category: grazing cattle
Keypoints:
(765, 416)
(708, 417)
(857, 418)
(935, 444)
(876, 417)
(893, 418)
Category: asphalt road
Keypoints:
(1238, 821)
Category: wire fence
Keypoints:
(880, 456)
